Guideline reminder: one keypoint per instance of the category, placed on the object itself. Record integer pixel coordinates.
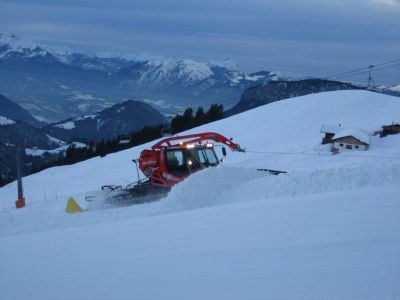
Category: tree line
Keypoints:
(188, 120)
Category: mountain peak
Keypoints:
(15, 42)
(7, 36)
(11, 43)
(228, 64)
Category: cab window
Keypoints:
(176, 163)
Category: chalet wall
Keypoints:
(350, 143)
(349, 146)
(349, 140)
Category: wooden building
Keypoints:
(350, 139)
(390, 129)
(329, 131)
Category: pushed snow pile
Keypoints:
(211, 187)
(232, 184)
(328, 228)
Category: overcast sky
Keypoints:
(295, 37)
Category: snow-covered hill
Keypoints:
(328, 229)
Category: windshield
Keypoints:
(177, 160)
(207, 156)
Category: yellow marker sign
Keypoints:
(72, 206)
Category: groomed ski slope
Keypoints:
(328, 229)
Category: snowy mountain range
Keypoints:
(54, 86)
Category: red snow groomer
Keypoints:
(173, 159)
(169, 162)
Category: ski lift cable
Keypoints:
(355, 72)
(320, 154)
(365, 68)
(365, 72)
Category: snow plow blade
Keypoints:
(273, 172)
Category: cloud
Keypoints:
(387, 2)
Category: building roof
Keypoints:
(357, 134)
(327, 128)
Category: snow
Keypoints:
(358, 134)
(188, 70)
(54, 140)
(254, 77)
(15, 44)
(86, 117)
(41, 119)
(237, 77)
(228, 64)
(195, 71)
(328, 229)
(34, 151)
(120, 109)
(5, 121)
(67, 126)
(395, 88)
(329, 128)
(40, 152)
(163, 105)
(77, 95)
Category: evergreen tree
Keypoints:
(216, 112)
(200, 117)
